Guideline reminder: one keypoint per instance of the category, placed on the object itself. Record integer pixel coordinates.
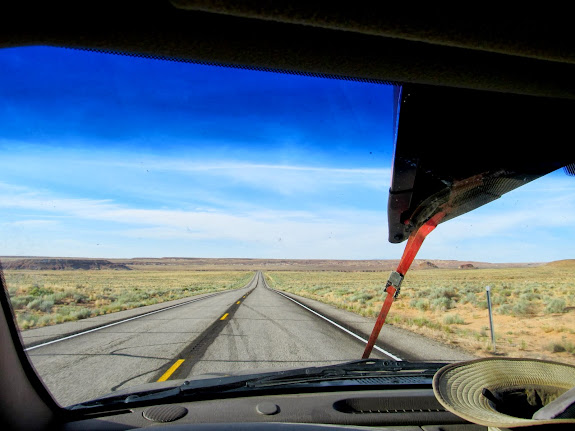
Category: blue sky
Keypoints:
(110, 156)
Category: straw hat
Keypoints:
(519, 387)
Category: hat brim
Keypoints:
(458, 387)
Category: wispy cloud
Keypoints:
(221, 184)
(535, 223)
(281, 179)
(31, 224)
(295, 233)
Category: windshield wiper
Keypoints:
(357, 369)
(202, 386)
(349, 370)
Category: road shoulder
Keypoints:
(413, 346)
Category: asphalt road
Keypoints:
(253, 328)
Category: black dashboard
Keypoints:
(400, 409)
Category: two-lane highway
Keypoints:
(253, 328)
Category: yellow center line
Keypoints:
(244, 296)
(171, 370)
(224, 316)
(238, 302)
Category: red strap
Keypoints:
(379, 322)
(414, 242)
(413, 245)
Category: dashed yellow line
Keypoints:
(170, 371)
(224, 316)
(244, 296)
(238, 302)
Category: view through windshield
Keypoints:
(163, 220)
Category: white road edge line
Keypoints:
(385, 352)
(126, 320)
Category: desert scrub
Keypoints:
(451, 319)
(41, 298)
(519, 292)
(358, 292)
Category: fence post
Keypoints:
(488, 291)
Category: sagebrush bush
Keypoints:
(20, 302)
(82, 313)
(521, 308)
(443, 292)
(529, 296)
(80, 298)
(422, 305)
(46, 306)
(561, 346)
(469, 298)
(504, 309)
(499, 299)
(361, 297)
(34, 304)
(441, 304)
(450, 319)
(555, 305)
(36, 290)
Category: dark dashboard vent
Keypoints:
(395, 380)
(389, 405)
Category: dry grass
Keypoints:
(41, 298)
(533, 307)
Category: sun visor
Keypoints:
(456, 150)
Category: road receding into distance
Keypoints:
(252, 328)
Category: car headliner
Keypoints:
(525, 52)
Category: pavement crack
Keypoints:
(116, 387)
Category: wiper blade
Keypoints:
(131, 398)
(188, 388)
(356, 369)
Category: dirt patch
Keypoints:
(548, 337)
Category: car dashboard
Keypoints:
(386, 409)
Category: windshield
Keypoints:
(162, 221)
